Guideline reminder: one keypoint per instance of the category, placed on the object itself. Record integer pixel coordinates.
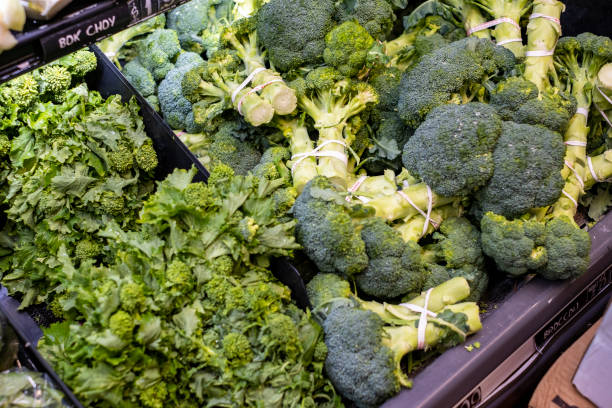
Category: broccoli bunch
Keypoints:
(453, 73)
(366, 341)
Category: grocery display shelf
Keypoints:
(80, 24)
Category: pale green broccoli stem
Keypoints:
(249, 104)
(599, 169)
(513, 9)
(332, 167)
(447, 293)
(372, 186)
(394, 47)
(603, 92)
(411, 229)
(396, 206)
(302, 169)
(404, 339)
(575, 156)
(472, 17)
(282, 98)
(542, 36)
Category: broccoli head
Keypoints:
(346, 48)
(157, 51)
(376, 16)
(54, 81)
(452, 150)
(189, 20)
(455, 72)
(456, 252)
(511, 94)
(326, 229)
(140, 77)
(228, 148)
(79, 63)
(121, 159)
(528, 162)
(293, 31)
(568, 249)
(146, 156)
(395, 267)
(386, 82)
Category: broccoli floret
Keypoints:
(174, 106)
(567, 247)
(457, 252)
(376, 16)
(189, 20)
(326, 230)
(121, 160)
(237, 349)
(112, 204)
(394, 267)
(87, 249)
(79, 63)
(551, 110)
(528, 162)
(179, 277)
(140, 78)
(346, 48)
(132, 296)
(54, 81)
(156, 52)
(454, 72)
(113, 44)
(324, 289)
(511, 94)
(272, 166)
(197, 195)
(122, 324)
(386, 82)
(452, 150)
(5, 145)
(227, 148)
(146, 157)
(154, 396)
(517, 246)
(293, 31)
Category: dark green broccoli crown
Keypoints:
(157, 51)
(376, 16)
(189, 20)
(516, 246)
(346, 48)
(456, 69)
(551, 110)
(528, 162)
(510, 94)
(293, 31)
(326, 230)
(174, 106)
(568, 249)
(358, 364)
(457, 252)
(140, 77)
(386, 82)
(228, 148)
(452, 151)
(395, 266)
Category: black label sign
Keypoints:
(85, 32)
(600, 284)
(141, 9)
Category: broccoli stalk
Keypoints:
(463, 12)
(513, 9)
(601, 167)
(242, 37)
(302, 169)
(542, 36)
(411, 228)
(578, 61)
(367, 341)
(330, 103)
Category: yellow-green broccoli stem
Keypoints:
(411, 229)
(255, 110)
(404, 339)
(302, 169)
(513, 9)
(575, 156)
(447, 293)
(473, 17)
(542, 36)
(396, 206)
(331, 140)
(600, 166)
(372, 186)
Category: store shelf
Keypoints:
(81, 24)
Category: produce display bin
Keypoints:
(81, 23)
(28, 333)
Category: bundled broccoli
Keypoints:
(366, 341)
